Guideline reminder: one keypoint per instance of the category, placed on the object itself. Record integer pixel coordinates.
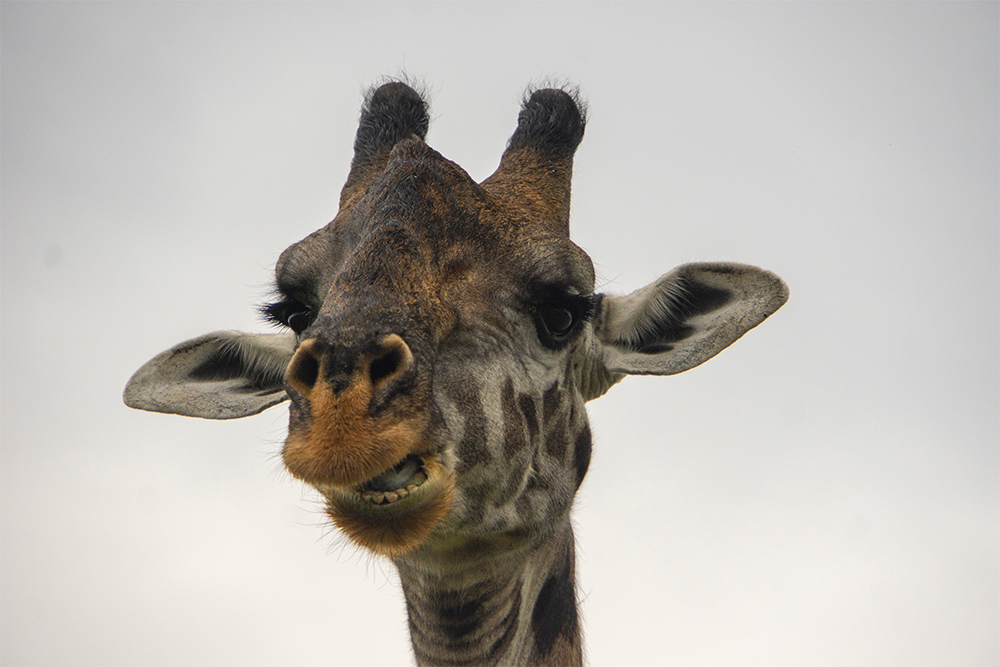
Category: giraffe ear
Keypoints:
(682, 320)
(221, 375)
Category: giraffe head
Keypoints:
(443, 336)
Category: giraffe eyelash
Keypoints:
(583, 306)
(288, 312)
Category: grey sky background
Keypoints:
(825, 492)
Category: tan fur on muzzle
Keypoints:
(342, 444)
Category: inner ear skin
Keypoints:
(231, 360)
(702, 299)
(659, 339)
(656, 332)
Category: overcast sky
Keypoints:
(825, 492)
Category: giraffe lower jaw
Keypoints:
(395, 521)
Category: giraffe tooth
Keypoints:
(377, 497)
(402, 493)
(391, 497)
(394, 477)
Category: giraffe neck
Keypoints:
(517, 609)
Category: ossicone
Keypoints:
(392, 112)
(551, 121)
(536, 170)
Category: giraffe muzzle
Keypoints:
(359, 433)
(353, 423)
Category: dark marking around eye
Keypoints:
(559, 314)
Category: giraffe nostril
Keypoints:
(303, 371)
(384, 366)
(307, 371)
(393, 358)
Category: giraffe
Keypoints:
(440, 338)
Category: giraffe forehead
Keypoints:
(428, 220)
(441, 205)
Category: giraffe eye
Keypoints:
(290, 313)
(298, 321)
(558, 314)
(557, 321)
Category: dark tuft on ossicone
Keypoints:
(551, 121)
(392, 112)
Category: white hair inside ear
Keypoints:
(676, 323)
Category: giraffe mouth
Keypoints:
(396, 483)
(396, 510)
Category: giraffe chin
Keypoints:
(392, 522)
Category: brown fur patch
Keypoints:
(392, 530)
(342, 444)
